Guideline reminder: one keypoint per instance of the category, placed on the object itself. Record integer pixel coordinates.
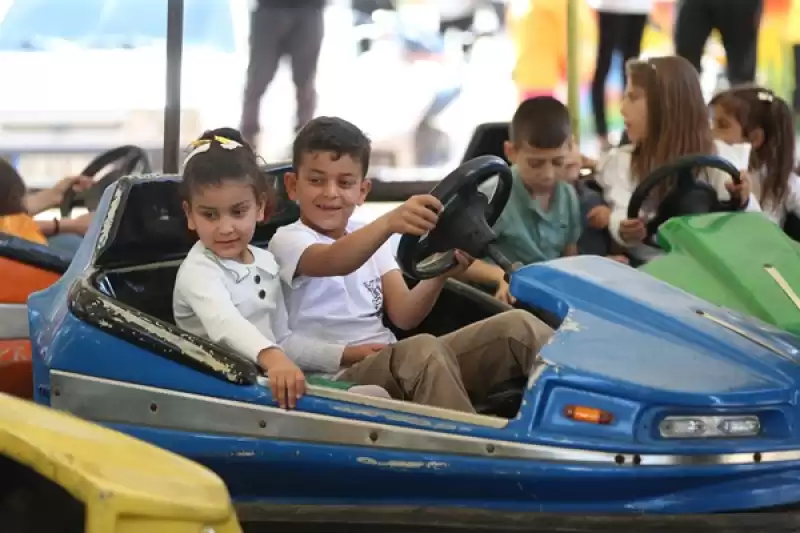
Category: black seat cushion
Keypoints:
(149, 225)
(488, 139)
(792, 226)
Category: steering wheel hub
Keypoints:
(473, 196)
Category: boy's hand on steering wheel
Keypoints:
(417, 216)
(632, 230)
(742, 190)
(464, 260)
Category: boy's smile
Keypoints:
(328, 187)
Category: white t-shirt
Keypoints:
(241, 307)
(777, 213)
(623, 7)
(343, 309)
(618, 185)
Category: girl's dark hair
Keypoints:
(758, 108)
(12, 190)
(219, 164)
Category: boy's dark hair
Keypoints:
(541, 122)
(335, 135)
(219, 164)
(12, 190)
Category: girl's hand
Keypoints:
(742, 191)
(286, 380)
(632, 230)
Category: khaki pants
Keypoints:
(457, 369)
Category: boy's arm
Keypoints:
(348, 253)
(345, 255)
(483, 273)
(407, 308)
(309, 354)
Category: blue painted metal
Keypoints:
(629, 343)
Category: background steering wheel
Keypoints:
(690, 194)
(123, 160)
(466, 221)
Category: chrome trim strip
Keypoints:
(110, 401)
(13, 321)
(783, 284)
(404, 407)
(727, 325)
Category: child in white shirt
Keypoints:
(665, 118)
(228, 291)
(758, 116)
(343, 278)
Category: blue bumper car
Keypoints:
(652, 409)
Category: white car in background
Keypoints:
(84, 76)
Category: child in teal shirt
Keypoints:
(542, 219)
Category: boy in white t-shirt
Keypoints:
(342, 278)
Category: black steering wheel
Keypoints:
(689, 196)
(124, 160)
(466, 221)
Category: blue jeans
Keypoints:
(65, 243)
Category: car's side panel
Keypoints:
(15, 351)
(16, 376)
(270, 454)
(19, 280)
(724, 258)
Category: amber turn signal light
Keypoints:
(592, 415)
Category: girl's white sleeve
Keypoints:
(615, 179)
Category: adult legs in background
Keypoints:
(693, 25)
(270, 27)
(630, 39)
(738, 23)
(608, 29)
(304, 45)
